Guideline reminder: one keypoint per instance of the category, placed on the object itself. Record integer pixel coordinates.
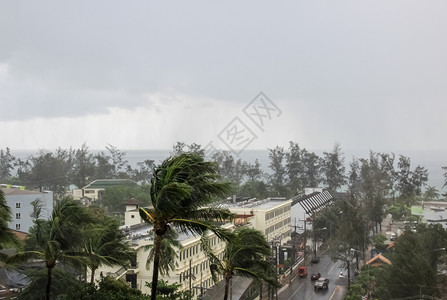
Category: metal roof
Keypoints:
(313, 202)
(105, 183)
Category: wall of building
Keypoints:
(21, 208)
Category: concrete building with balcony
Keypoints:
(191, 265)
(20, 202)
(271, 216)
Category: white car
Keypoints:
(321, 283)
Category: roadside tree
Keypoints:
(245, 255)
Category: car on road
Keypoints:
(321, 284)
(315, 260)
(315, 276)
(302, 271)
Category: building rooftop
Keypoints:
(105, 183)
(255, 203)
(132, 201)
(16, 190)
(378, 259)
(313, 202)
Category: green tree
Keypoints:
(7, 161)
(181, 188)
(333, 169)
(113, 198)
(294, 169)
(143, 174)
(376, 185)
(50, 171)
(311, 174)
(398, 211)
(257, 189)
(278, 178)
(409, 183)
(245, 255)
(431, 193)
(182, 147)
(7, 237)
(167, 291)
(104, 243)
(413, 264)
(118, 161)
(253, 171)
(229, 169)
(351, 236)
(379, 242)
(83, 167)
(108, 288)
(58, 239)
(61, 281)
(354, 180)
(104, 168)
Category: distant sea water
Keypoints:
(432, 160)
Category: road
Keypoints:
(303, 288)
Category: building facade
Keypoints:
(95, 189)
(20, 202)
(271, 216)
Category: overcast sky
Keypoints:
(146, 74)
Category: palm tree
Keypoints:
(104, 243)
(431, 193)
(168, 252)
(58, 239)
(245, 255)
(7, 237)
(181, 188)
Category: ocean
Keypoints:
(432, 160)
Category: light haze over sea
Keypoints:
(433, 160)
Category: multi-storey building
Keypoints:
(191, 265)
(271, 216)
(20, 202)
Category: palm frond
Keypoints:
(200, 227)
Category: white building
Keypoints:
(192, 265)
(19, 200)
(271, 216)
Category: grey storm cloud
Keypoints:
(383, 58)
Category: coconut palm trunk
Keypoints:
(158, 239)
(92, 276)
(48, 287)
(182, 189)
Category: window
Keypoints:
(17, 215)
(132, 216)
(17, 226)
(18, 205)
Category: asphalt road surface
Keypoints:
(303, 288)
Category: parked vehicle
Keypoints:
(321, 284)
(302, 271)
(315, 259)
(315, 276)
(393, 236)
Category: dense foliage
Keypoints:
(292, 169)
